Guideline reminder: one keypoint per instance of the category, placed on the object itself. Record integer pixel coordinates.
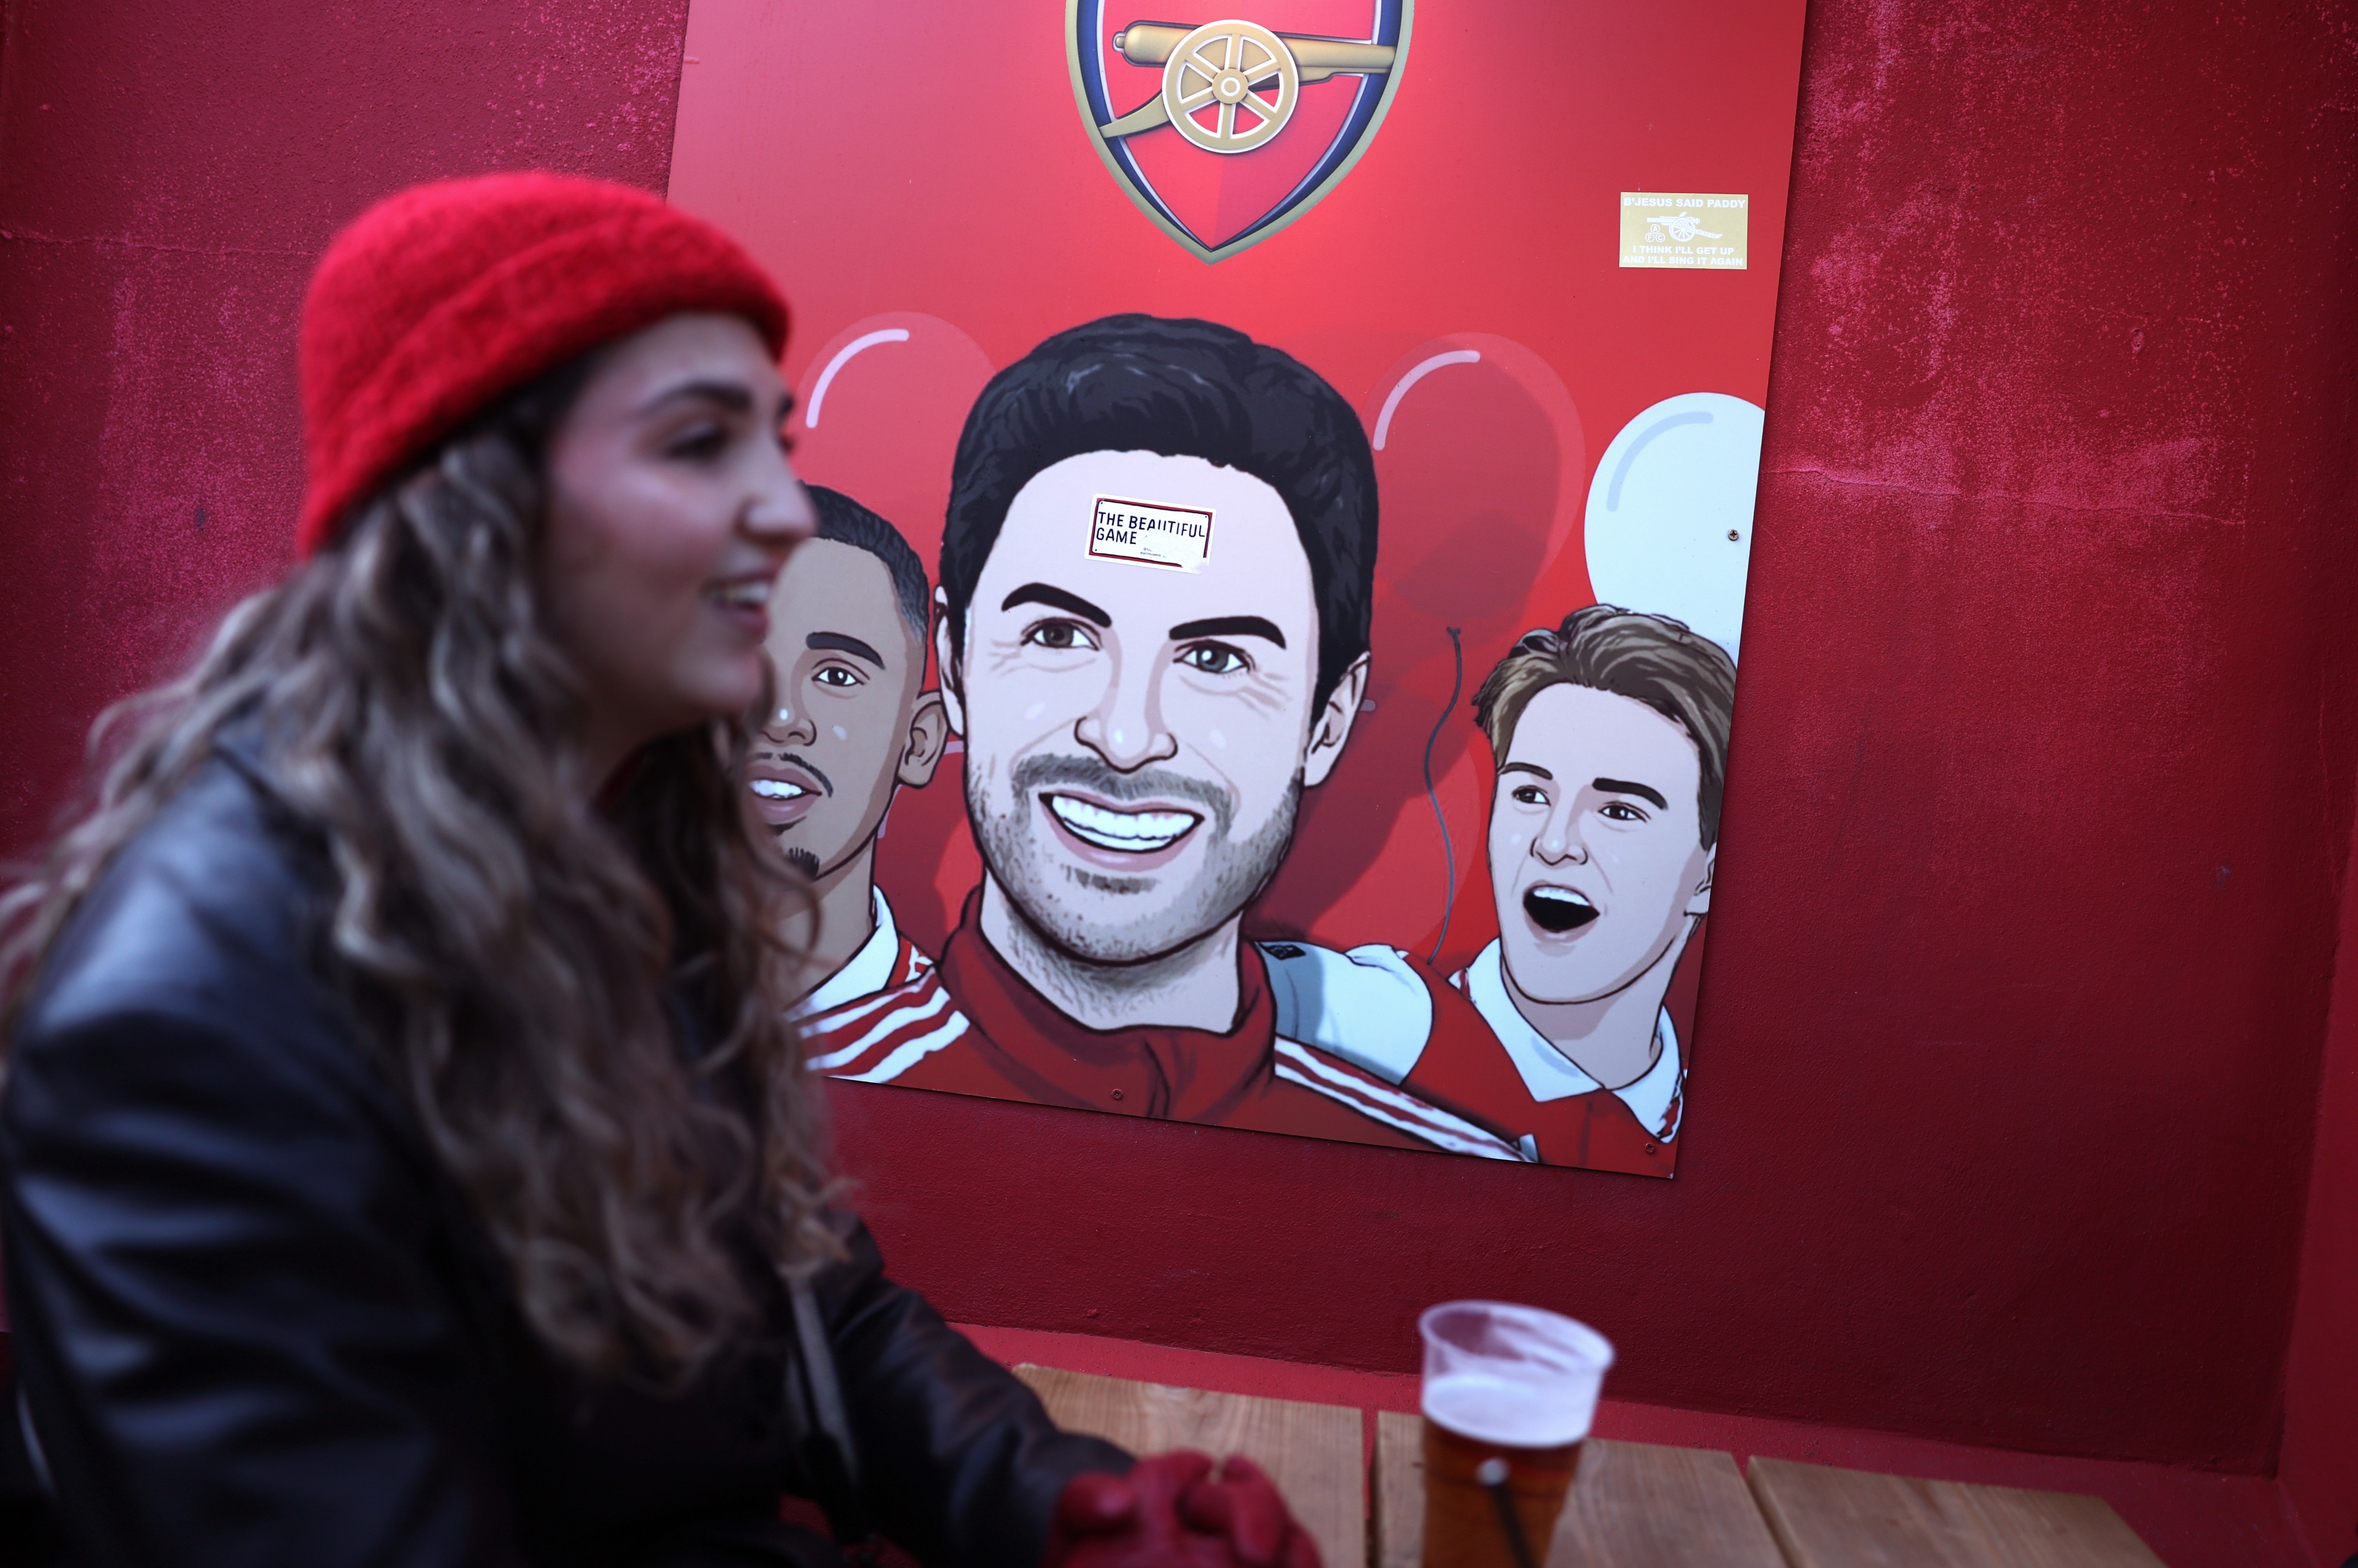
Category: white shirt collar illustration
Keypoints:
(869, 970)
(1550, 1075)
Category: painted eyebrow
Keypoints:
(1229, 626)
(1623, 786)
(1527, 768)
(839, 643)
(1057, 599)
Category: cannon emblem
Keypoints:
(1683, 228)
(1299, 85)
(1230, 86)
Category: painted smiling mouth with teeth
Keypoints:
(782, 799)
(1128, 832)
(1558, 910)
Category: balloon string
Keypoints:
(1448, 854)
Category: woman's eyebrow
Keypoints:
(730, 395)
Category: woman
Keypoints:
(406, 1160)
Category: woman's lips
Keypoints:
(1119, 837)
(744, 602)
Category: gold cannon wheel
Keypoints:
(1242, 73)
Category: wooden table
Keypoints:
(1636, 1505)
(1314, 1452)
(1825, 1518)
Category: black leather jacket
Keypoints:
(255, 1324)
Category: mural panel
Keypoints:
(1286, 484)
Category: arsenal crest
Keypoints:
(1224, 130)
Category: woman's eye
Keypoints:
(1530, 794)
(698, 441)
(836, 676)
(1058, 634)
(1621, 811)
(1213, 659)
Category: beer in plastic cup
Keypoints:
(1508, 1383)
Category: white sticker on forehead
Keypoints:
(1149, 535)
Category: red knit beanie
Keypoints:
(438, 300)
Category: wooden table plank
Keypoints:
(1639, 1504)
(1400, 1489)
(1636, 1505)
(1312, 1452)
(1825, 1518)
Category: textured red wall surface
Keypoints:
(167, 175)
(2320, 1460)
(2042, 789)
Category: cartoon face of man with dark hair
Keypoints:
(1153, 633)
(1139, 735)
(851, 726)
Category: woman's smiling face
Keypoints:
(671, 508)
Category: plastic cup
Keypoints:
(1506, 1387)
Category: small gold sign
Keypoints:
(1668, 228)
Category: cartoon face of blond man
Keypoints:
(1155, 588)
(1610, 736)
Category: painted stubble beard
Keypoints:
(1092, 927)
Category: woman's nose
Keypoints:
(779, 512)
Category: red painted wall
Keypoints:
(167, 175)
(2319, 1461)
(2021, 956)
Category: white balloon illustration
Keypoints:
(1670, 513)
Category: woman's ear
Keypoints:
(929, 737)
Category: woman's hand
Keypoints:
(1173, 1511)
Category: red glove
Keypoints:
(1171, 1512)
(1243, 1510)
